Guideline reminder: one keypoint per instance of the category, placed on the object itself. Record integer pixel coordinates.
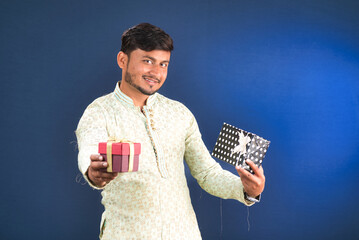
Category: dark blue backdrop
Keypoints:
(286, 70)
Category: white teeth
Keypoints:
(149, 80)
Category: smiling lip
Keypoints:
(150, 80)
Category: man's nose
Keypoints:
(156, 70)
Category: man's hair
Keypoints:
(146, 37)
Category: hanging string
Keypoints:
(249, 225)
(221, 218)
(221, 214)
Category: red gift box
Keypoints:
(121, 157)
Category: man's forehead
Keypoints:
(159, 55)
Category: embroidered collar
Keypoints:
(127, 100)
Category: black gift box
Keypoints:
(235, 145)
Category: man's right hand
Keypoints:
(97, 171)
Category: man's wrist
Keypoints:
(252, 199)
(89, 178)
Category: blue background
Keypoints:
(286, 70)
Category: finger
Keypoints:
(96, 157)
(104, 175)
(254, 167)
(244, 174)
(98, 165)
(258, 171)
(261, 170)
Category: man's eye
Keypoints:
(164, 64)
(148, 61)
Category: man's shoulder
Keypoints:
(175, 106)
(171, 102)
(102, 101)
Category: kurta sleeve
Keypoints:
(90, 131)
(208, 173)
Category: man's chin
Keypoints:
(147, 92)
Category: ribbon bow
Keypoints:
(112, 140)
(241, 148)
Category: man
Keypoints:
(154, 202)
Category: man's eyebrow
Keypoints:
(153, 59)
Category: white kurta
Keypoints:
(154, 202)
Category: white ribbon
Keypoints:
(241, 148)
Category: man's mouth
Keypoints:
(151, 80)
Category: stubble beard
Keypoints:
(128, 79)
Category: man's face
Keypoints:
(145, 72)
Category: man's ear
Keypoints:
(122, 59)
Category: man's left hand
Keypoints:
(253, 183)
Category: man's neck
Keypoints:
(139, 99)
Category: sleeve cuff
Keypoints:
(91, 183)
(252, 199)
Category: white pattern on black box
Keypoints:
(235, 145)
